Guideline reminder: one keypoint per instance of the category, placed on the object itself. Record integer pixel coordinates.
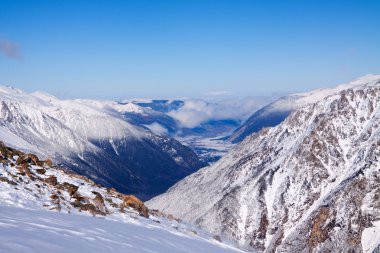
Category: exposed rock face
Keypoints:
(52, 180)
(27, 158)
(70, 188)
(132, 201)
(58, 189)
(311, 184)
(273, 114)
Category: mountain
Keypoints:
(44, 208)
(156, 121)
(277, 111)
(160, 105)
(200, 124)
(93, 138)
(310, 184)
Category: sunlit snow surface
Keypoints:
(24, 230)
(27, 225)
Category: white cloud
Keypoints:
(157, 128)
(197, 111)
(217, 93)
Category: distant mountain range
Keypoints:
(309, 184)
(93, 138)
(175, 118)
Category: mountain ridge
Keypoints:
(274, 113)
(307, 185)
(93, 139)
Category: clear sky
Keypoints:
(141, 48)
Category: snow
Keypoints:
(298, 100)
(208, 148)
(318, 95)
(27, 231)
(32, 221)
(157, 128)
(130, 107)
(267, 190)
(371, 238)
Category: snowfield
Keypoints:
(29, 231)
(44, 208)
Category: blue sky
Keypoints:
(122, 49)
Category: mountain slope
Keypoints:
(24, 230)
(274, 113)
(93, 139)
(30, 187)
(311, 184)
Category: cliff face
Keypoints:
(310, 184)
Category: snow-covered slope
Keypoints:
(92, 138)
(310, 184)
(30, 188)
(29, 231)
(274, 113)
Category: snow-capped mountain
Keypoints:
(277, 111)
(201, 124)
(310, 184)
(92, 138)
(43, 208)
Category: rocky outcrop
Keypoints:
(310, 184)
(64, 190)
(69, 188)
(135, 203)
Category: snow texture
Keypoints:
(93, 138)
(274, 113)
(29, 231)
(38, 214)
(310, 184)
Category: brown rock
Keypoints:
(49, 162)
(4, 179)
(24, 169)
(98, 197)
(79, 197)
(99, 201)
(41, 171)
(135, 203)
(70, 188)
(92, 209)
(27, 158)
(318, 234)
(52, 180)
(114, 205)
(54, 197)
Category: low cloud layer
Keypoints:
(9, 49)
(197, 111)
